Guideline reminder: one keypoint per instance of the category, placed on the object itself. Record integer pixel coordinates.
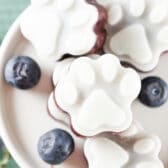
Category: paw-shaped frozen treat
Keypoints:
(97, 94)
(137, 31)
(138, 151)
(59, 27)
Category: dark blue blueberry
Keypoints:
(22, 72)
(55, 146)
(154, 91)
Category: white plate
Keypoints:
(23, 114)
(24, 117)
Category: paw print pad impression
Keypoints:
(97, 94)
(137, 31)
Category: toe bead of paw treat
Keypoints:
(98, 92)
(58, 27)
(137, 31)
(140, 150)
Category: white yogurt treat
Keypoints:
(137, 151)
(62, 67)
(102, 152)
(137, 31)
(57, 113)
(59, 27)
(98, 92)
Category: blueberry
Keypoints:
(154, 91)
(55, 146)
(22, 72)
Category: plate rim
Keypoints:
(12, 147)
